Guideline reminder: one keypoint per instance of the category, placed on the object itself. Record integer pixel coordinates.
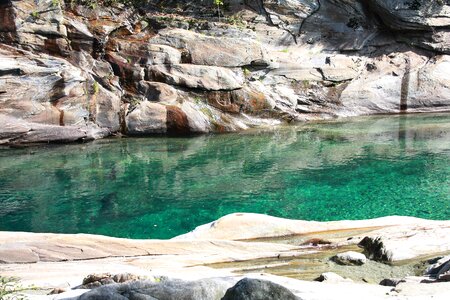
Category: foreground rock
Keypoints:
(388, 239)
(205, 289)
(213, 255)
(256, 289)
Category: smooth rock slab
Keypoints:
(257, 289)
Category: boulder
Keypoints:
(204, 289)
(350, 258)
(197, 77)
(257, 289)
(147, 118)
(157, 92)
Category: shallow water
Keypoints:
(162, 187)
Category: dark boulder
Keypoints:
(256, 289)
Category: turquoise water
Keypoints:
(162, 187)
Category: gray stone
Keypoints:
(204, 289)
(350, 258)
(391, 281)
(147, 118)
(257, 289)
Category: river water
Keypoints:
(162, 187)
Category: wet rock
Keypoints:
(205, 289)
(257, 289)
(350, 258)
(331, 277)
(198, 77)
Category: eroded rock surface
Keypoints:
(91, 66)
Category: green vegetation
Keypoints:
(246, 71)
(10, 288)
(35, 14)
(218, 3)
(96, 87)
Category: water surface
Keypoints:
(161, 187)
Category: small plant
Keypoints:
(284, 50)
(246, 71)
(35, 14)
(55, 3)
(10, 288)
(96, 87)
(218, 3)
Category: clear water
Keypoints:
(163, 187)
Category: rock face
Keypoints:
(256, 289)
(71, 72)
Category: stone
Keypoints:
(440, 270)
(223, 51)
(204, 289)
(197, 77)
(257, 289)
(158, 92)
(331, 277)
(147, 118)
(350, 258)
(391, 281)
(142, 53)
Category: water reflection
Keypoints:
(160, 187)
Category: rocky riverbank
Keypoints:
(385, 258)
(81, 70)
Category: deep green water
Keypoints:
(162, 187)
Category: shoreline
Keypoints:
(236, 245)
